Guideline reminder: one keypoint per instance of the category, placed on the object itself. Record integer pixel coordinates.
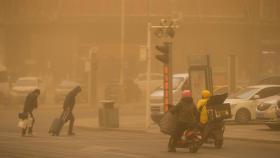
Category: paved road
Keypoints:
(111, 144)
(108, 144)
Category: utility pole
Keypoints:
(92, 77)
(148, 83)
(231, 73)
(122, 41)
(148, 71)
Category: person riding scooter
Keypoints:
(201, 106)
(186, 114)
(211, 121)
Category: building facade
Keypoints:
(55, 36)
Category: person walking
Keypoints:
(31, 103)
(68, 106)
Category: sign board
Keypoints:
(200, 79)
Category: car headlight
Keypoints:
(263, 106)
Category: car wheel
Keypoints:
(243, 115)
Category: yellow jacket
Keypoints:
(201, 106)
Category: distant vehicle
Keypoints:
(24, 85)
(266, 110)
(273, 80)
(244, 103)
(156, 81)
(224, 89)
(64, 87)
(4, 85)
(274, 124)
(180, 83)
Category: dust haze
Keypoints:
(109, 49)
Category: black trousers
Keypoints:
(180, 129)
(30, 129)
(70, 118)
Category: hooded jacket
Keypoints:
(31, 101)
(201, 106)
(70, 99)
(185, 110)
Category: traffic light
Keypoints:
(165, 50)
(166, 58)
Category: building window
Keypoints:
(269, 9)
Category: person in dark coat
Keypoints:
(68, 107)
(187, 116)
(31, 102)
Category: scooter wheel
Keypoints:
(193, 148)
(218, 144)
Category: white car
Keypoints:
(266, 110)
(180, 82)
(156, 81)
(244, 103)
(25, 85)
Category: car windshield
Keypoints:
(176, 82)
(26, 82)
(244, 94)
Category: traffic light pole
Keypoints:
(167, 71)
(167, 81)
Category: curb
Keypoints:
(111, 129)
(248, 123)
(145, 131)
(254, 140)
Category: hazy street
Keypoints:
(107, 144)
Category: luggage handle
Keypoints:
(64, 115)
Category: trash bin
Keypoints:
(108, 114)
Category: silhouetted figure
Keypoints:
(31, 102)
(68, 107)
(187, 116)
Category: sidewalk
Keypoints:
(136, 123)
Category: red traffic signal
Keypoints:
(164, 49)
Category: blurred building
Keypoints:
(55, 36)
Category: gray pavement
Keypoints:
(136, 123)
(95, 142)
(115, 144)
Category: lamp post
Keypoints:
(92, 77)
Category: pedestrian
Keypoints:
(31, 103)
(68, 106)
(187, 116)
